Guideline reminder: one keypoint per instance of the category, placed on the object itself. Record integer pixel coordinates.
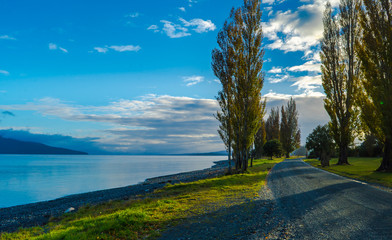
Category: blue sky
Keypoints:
(135, 76)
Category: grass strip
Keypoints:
(363, 169)
(146, 218)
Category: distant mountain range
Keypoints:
(220, 153)
(12, 146)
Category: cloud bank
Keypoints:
(157, 124)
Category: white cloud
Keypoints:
(4, 72)
(124, 48)
(182, 9)
(7, 37)
(153, 28)
(193, 80)
(101, 49)
(133, 15)
(280, 96)
(53, 46)
(310, 66)
(275, 70)
(174, 30)
(308, 82)
(191, 2)
(299, 30)
(278, 78)
(270, 2)
(63, 49)
(200, 24)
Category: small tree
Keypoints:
(321, 143)
(273, 148)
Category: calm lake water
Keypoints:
(33, 178)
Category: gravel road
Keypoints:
(316, 204)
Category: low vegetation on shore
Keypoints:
(151, 214)
(359, 168)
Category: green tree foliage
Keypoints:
(375, 52)
(272, 126)
(340, 70)
(260, 140)
(290, 135)
(273, 148)
(238, 64)
(321, 144)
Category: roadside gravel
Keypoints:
(255, 218)
(38, 214)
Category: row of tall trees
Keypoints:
(356, 56)
(238, 63)
(284, 129)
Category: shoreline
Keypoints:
(38, 214)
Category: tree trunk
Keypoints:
(251, 161)
(245, 162)
(324, 159)
(287, 155)
(237, 161)
(229, 157)
(343, 155)
(386, 164)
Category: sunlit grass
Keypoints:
(146, 218)
(359, 168)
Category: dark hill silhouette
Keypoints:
(12, 146)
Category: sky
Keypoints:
(134, 77)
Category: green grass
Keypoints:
(359, 168)
(146, 218)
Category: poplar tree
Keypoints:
(340, 70)
(243, 56)
(223, 70)
(290, 135)
(375, 53)
(272, 126)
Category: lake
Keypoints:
(33, 178)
